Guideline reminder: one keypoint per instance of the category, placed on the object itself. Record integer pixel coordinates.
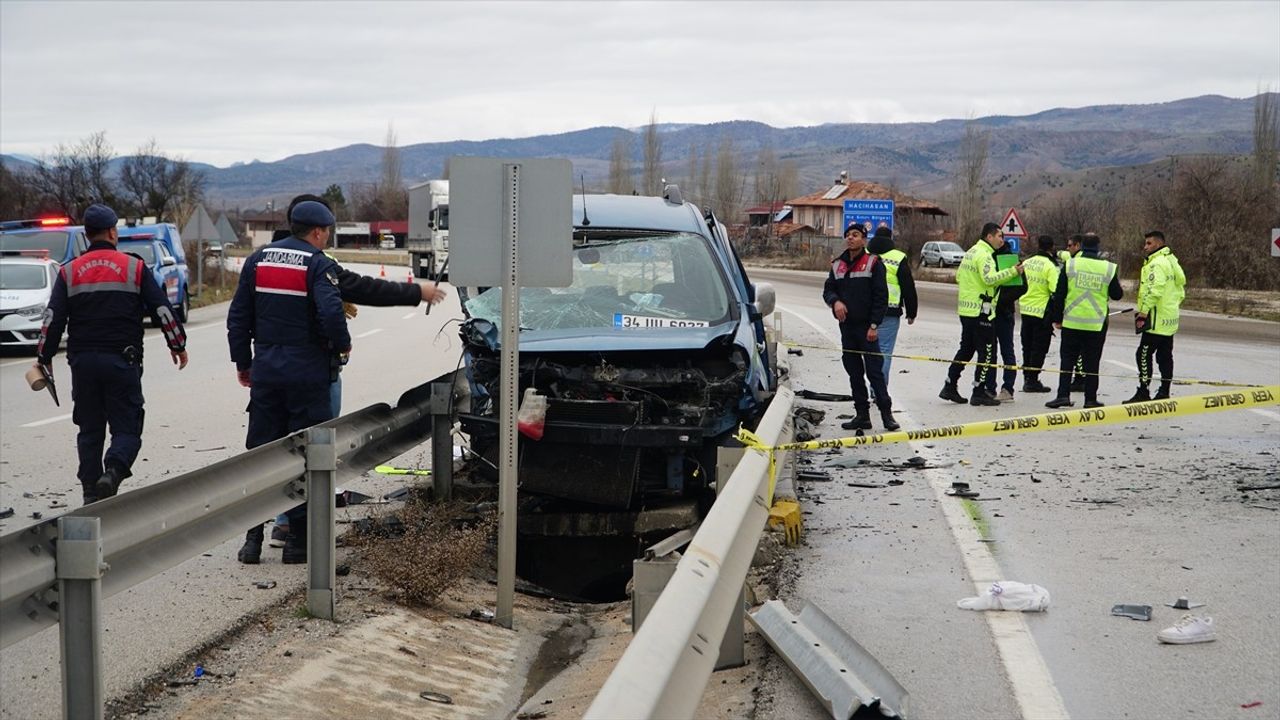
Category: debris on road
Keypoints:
(481, 615)
(211, 449)
(823, 397)
(1183, 603)
(436, 697)
(1137, 612)
(1253, 704)
(1096, 501)
(1251, 488)
(795, 351)
(961, 490)
(866, 485)
(265, 584)
(6, 513)
(813, 476)
(1008, 595)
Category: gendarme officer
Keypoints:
(101, 298)
(286, 330)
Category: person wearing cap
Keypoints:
(1073, 249)
(902, 293)
(1079, 309)
(1037, 332)
(1161, 288)
(858, 296)
(100, 299)
(977, 281)
(357, 289)
(287, 330)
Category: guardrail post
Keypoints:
(79, 572)
(442, 440)
(322, 461)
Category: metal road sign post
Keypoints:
(322, 463)
(442, 441)
(520, 211)
(872, 214)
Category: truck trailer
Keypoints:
(428, 242)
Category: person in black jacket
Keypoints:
(1003, 325)
(100, 298)
(858, 297)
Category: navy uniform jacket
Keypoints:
(289, 309)
(103, 295)
(859, 283)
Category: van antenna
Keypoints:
(583, 180)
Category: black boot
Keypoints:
(295, 547)
(109, 483)
(980, 396)
(251, 552)
(1059, 402)
(860, 421)
(1092, 403)
(1077, 385)
(1033, 385)
(89, 491)
(1142, 395)
(1163, 392)
(952, 393)
(886, 416)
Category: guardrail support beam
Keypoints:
(322, 462)
(79, 570)
(442, 440)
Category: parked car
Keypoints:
(174, 277)
(169, 274)
(56, 237)
(941, 253)
(26, 284)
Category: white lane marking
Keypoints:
(196, 328)
(28, 361)
(1033, 686)
(410, 315)
(47, 421)
(367, 333)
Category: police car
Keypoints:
(56, 237)
(170, 275)
(26, 284)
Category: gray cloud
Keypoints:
(227, 81)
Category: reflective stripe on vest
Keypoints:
(1039, 271)
(892, 259)
(103, 271)
(861, 268)
(1087, 282)
(282, 271)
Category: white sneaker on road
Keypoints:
(1190, 629)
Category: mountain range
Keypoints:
(1031, 152)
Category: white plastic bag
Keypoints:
(1009, 595)
(532, 416)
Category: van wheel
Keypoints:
(184, 308)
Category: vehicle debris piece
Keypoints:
(795, 351)
(436, 697)
(1096, 501)
(813, 476)
(1137, 612)
(1253, 704)
(1183, 603)
(896, 481)
(481, 615)
(839, 672)
(182, 681)
(916, 461)
(1008, 595)
(342, 498)
(1250, 488)
(6, 513)
(865, 485)
(961, 490)
(823, 397)
(398, 494)
(265, 584)
(36, 515)
(532, 715)
(211, 449)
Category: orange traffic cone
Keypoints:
(382, 271)
(410, 276)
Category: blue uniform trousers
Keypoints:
(277, 410)
(106, 391)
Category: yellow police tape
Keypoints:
(1023, 368)
(1106, 415)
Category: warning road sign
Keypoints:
(1012, 225)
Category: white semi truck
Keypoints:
(428, 242)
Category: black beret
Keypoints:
(99, 217)
(883, 233)
(311, 213)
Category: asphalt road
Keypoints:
(194, 418)
(889, 563)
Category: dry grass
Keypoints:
(441, 544)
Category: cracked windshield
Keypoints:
(650, 282)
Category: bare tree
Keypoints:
(704, 179)
(18, 196)
(393, 198)
(691, 184)
(159, 185)
(972, 165)
(652, 157)
(75, 176)
(620, 181)
(1264, 138)
(729, 187)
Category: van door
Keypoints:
(167, 272)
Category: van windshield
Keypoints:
(144, 250)
(650, 282)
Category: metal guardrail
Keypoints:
(665, 669)
(104, 548)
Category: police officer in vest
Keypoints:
(286, 329)
(856, 292)
(1160, 293)
(1073, 249)
(977, 283)
(902, 292)
(100, 298)
(1041, 273)
(1079, 309)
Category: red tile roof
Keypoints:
(863, 190)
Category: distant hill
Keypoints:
(1041, 150)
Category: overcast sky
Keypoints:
(221, 82)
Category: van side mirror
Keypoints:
(766, 298)
(168, 261)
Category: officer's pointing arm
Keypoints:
(328, 299)
(156, 301)
(365, 290)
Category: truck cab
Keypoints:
(428, 242)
